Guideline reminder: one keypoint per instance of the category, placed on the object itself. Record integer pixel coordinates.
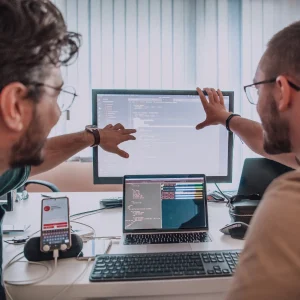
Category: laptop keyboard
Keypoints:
(167, 238)
(170, 265)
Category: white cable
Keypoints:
(86, 236)
(7, 292)
(77, 278)
(108, 247)
(4, 283)
(93, 230)
(48, 273)
(55, 255)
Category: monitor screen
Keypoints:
(164, 203)
(166, 139)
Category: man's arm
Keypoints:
(268, 267)
(59, 149)
(250, 132)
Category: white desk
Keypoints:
(107, 223)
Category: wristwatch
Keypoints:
(93, 129)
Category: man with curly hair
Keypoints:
(34, 44)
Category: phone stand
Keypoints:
(32, 250)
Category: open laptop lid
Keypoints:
(258, 173)
(164, 203)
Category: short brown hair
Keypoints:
(282, 56)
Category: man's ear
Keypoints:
(284, 99)
(15, 110)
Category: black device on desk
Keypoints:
(256, 176)
(154, 266)
(236, 230)
(112, 202)
(258, 173)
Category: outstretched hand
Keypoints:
(214, 108)
(111, 136)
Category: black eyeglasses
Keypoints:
(66, 97)
(252, 92)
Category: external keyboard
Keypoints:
(170, 265)
(167, 238)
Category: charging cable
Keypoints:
(86, 235)
(55, 255)
(49, 271)
(72, 283)
(223, 194)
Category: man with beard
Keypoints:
(269, 266)
(34, 43)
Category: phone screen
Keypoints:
(55, 225)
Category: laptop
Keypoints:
(164, 213)
(258, 173)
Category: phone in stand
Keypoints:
(55, 224)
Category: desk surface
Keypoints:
(107, 223)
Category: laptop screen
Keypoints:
(164, 203)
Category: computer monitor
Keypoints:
(166, 139)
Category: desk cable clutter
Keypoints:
(33, 254)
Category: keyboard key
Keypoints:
(190, 272)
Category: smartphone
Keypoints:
(55, 224)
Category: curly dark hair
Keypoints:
(33, 34)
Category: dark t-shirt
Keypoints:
(10, 180)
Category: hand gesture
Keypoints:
(214, 107)
(111, 136)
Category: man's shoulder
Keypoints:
(13, 179)
(288, 184)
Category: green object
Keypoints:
(10, 180)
